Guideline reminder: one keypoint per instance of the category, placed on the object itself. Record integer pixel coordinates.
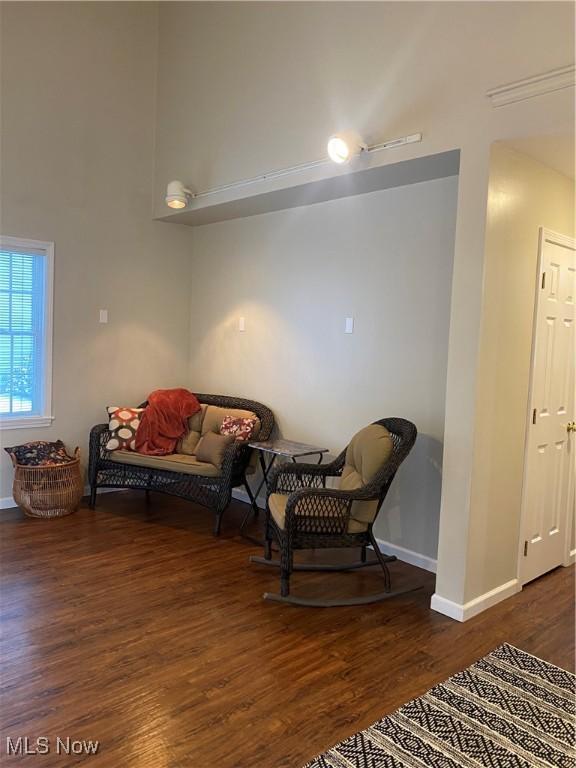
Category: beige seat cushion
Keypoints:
(367, 453)
(277, 503)
(175, 462)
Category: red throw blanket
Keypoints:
(165, 420)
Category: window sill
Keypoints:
(26, 422)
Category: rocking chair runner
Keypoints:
(301, 513)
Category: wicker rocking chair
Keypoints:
(301, 513)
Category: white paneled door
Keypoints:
(550, 467)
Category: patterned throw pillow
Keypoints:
(241, 429)
(40, 453)
(123, 425)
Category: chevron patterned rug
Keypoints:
(508, 710)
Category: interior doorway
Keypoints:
(548, 500)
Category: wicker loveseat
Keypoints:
(181, 474)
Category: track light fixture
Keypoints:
(342, 147)
(177, 195)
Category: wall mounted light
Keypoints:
(177, 195)
(342, 147)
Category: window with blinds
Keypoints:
(25, 331)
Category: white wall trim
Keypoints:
(570, 558)
(529, 87)
(408, 555)
(241, 495)
(45, 248)
(447, 607)
(26, 422)
(549, 236)
(7, 502)
(478, 604)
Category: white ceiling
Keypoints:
(555, 151)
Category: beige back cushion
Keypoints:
(188, 443)
(212, 447)
(209, 419)
(368, 451)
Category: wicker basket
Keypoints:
(51, 491)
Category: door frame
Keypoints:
(544, 234)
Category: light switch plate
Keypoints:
(349, 325)
(242, 324)
(103, 315)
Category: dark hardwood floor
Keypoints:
(133, 626)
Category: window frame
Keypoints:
(46, 418)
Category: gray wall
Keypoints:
(384, 258)
(244, 88)
(76, 169)
(248, 87)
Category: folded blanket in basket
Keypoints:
(40, 453)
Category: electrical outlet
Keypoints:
(103, 315)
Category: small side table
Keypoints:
(273, 449)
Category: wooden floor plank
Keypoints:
(133, 626)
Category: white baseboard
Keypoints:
(7, 502)
(447, 607)
(406, 555)
(463, 612)
(570, 559)
(241, 495)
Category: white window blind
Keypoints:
(25, 332)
